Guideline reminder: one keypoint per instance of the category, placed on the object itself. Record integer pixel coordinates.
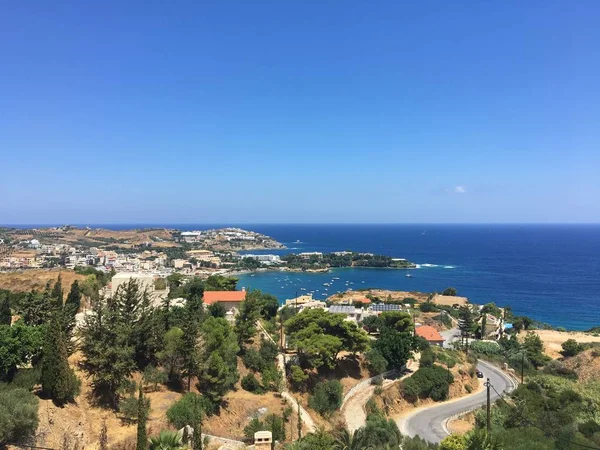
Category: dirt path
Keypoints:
(304, 416)
(353, 409)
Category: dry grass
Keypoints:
(553, 340)
(26, 280)
(449, 300)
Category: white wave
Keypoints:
(449, 267)
(428, 265)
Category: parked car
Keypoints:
(479, 374)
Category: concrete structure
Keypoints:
(308, 255)
(145, 281)
(430, 334)
(264, 258)
(263, 440)
(298, 301)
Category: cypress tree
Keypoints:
(5, 314)
(299, 420)
(59, 381)
(57, 292)
(142, 438)
(103, 436)
(197, 435)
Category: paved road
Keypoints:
(430, 423)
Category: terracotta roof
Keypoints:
(211, 297)
(364, 300)
(430, 334)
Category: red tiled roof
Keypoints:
(430, 334)
(211, 297)
(364, 300)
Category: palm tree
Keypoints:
(344, 440)
(166, 440)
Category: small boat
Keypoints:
(297, 241)
(408, 275)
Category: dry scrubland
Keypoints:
(26, 280)
(553, 340)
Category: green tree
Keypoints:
(186, 411)
(108, 351)
(220, 283)
(215, 379)
(245, 321)
(59, 381)
(37, 308)
(19, 345)
(318, 336)
(217, 310)
(154, 376)
(197, 425)
(396, 347)
(18, 414)
(466, 322)
(449, 291)
(376, 363)
(534, 348)
(173, 354)
(142, 415)
(327, 397)
(57, 292)
(5, 313)
(571, 348)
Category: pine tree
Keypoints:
(58, 380)
(5, 314)
(73, 302)
(142, 438)
(465, 322)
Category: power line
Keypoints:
(531, 423)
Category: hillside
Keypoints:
(25, 281)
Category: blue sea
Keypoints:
(548, 272)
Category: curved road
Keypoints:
(430, 423)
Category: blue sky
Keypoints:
(188, 112)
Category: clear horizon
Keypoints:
(270, 112)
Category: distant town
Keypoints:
(161, 252)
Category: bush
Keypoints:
(427, 307)
(18, 414)
(486, 348)
(449, 291)
(327, 397)
(571, 348)
(26, 379)
(251, 384)
(268, 351)
(428, 382)
(468, 388)
(376, 363)
(298, 377)
(187, 410)
(427, 358)
(422, 343)
(558, 369)
(252, 360)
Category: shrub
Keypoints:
(571, 348)
(558, 369)
(272, 378)
(449, 291)
(26, 379)
(422, 343)
(376, 363)
(18, 414)
(486, 348)
(468, 388)
(252, 360)
(327, 397)
(377, 381)
(268, 351)
(251, 384)
(427, 307)
(187, 410)
(428, 382)
(427, 358)
(378, 390)
(298, 377)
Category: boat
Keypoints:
(408, 275)
(297, 241)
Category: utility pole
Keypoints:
(489, 423)
(522, 364)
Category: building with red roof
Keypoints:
(231, 300)
(430, 334)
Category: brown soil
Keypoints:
(462, 425)
(26, 280)
(586, 365)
